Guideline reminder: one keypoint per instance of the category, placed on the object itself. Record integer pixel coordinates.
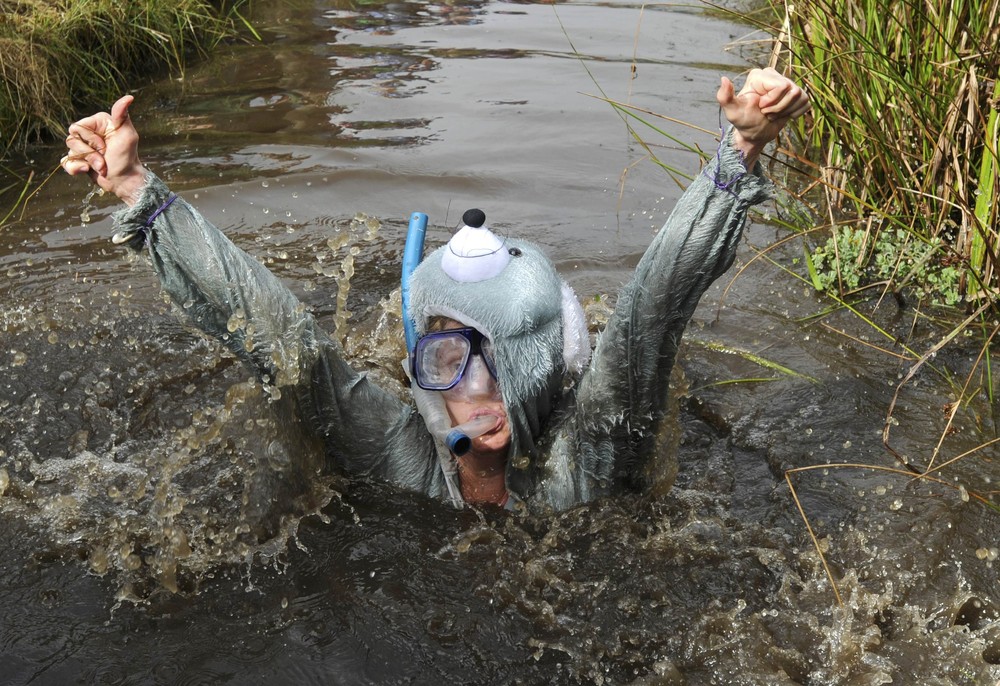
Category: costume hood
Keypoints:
(509, 291)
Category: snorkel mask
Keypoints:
(443, 359)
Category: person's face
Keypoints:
(475, 395)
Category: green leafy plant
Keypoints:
(853, 259)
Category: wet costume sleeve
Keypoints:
(609, 433)
(230, 295)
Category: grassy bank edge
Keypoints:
(60, 59)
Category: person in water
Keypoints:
(502, 347)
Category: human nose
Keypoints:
(477, 382)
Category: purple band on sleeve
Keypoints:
(714, 176)
(165, 205)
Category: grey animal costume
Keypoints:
(568, 446)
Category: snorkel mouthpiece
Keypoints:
(459, 439)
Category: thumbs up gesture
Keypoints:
(106, 147)
(761, 109)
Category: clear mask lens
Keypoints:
(477, 382)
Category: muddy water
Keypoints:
(163, 522)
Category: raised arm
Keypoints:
(233, 297)
(225, 291)
(623, 396)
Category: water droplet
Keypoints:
(98, 561)
(896, 504)
(277, 455)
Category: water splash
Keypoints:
(87, 207)
(361, 229)
(130, 464)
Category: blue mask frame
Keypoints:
(475, 341)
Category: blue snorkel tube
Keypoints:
(457, 439)
(412, 254)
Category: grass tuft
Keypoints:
(61, 58)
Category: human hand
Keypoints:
(761, 109)
(106, 147)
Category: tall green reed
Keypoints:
(903, 143)
(905, 130)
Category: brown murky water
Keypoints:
(162, 522)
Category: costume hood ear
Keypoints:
(576, 336)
